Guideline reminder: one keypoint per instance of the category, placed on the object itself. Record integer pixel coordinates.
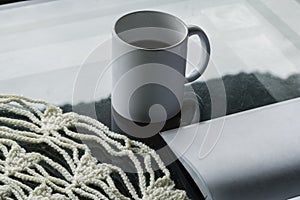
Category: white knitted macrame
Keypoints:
(24, 174)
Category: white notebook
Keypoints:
(250, 155)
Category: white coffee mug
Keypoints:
(149, 64)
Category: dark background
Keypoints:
(244, 91)
(9, 1)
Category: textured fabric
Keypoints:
(43, 157)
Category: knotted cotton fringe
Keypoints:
(25, 175)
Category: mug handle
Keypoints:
(195, 30)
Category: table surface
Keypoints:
(59, 51)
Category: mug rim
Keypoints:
(115, 34)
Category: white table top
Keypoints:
(39, 37)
